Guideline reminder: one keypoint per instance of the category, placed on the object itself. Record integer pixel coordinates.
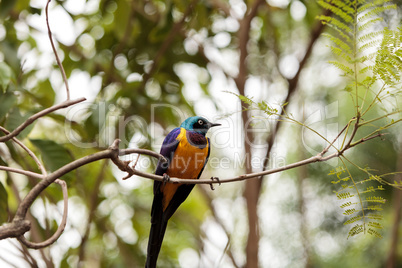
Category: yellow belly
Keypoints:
(187, 163)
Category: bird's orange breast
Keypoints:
(187, 163)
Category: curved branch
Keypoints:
(111, 153)
(34, 117)
(61, 227)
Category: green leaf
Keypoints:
(6, 73)
(7, 101)
(44, 94)
(15, 119)
(3, 204)
(53, 155)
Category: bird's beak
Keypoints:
(215, 124)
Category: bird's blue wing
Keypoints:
(168, 148)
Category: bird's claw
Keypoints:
(166, 179)
(214, 179)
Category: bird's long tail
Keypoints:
(155, 242)
(158, 228)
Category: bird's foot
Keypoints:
(214, 179)
(166, 179)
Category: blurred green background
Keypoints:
(144, 66)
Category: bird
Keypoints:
(186, 150)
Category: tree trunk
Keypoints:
(392, 255)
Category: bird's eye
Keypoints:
(200, 122)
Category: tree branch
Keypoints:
(63, 73)
(14, 229)
(61, 227)
(34, 117)
(23, 172)
(18, 226)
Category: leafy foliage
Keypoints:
(372, 61)
(356, 205)
(54, 155)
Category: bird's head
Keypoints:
(198, 124)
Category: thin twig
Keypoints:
(332, 143)
(63, 73)
(354, 131)
(23, 172)
(34, 117)
(30, 153)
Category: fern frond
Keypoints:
(246, 99)
(375, 225)
(375, 199)
(344, 195)
(341, 10)
(376, 35)
(337, 24)
(367, 57)
(346, 6)
(371, 189)
(342, 67)
(374, 233)
(353, 219)
(368, 45)
(374, 208)
(374, 11)
(344, 186)
(375, 216)
(364, 6)
(366, 25)
(368, 81)
(347, 204)
(344, 46)
(337, 171)
(357, 229)
(350, 211)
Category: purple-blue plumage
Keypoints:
(168, 148)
